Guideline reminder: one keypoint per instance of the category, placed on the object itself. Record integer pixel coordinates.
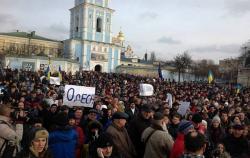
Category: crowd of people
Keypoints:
(35, 123)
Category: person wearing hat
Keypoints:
(93, 128)
(184, 128)
(62, 138)
(37, 146)
(123, 145)
(158, 141)
(102, 147)
(236, 144)
(215, 133)
(137, 126)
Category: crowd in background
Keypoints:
(122, 124)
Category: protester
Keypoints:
(195, 144)
(80, 136)
(103, 147)
(184, 128)
(62, 138)
(137, 126)
(123, 145)
(9, 137)
(158, 141)
(220, 152)
(236, 144)
(216, 133)
(34, 98)
(37, 146)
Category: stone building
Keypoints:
(244, 69)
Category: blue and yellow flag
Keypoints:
(60, 73)
(238, 87)
(210, 77)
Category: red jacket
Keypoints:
(80, 141)
(178, 148)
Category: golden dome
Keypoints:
(121, 36)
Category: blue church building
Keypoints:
(91, 42)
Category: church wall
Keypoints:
(110, 62)
(37, 63)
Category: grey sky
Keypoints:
(211, 29)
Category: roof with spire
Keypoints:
(31, 35)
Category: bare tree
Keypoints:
(182, 62)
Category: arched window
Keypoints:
(99, 25)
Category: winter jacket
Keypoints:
(178, 148)
(159, 144)
(237, 147)
(8, 133)
(135, 129)
(63, 143)
(122, 144)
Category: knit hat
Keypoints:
(185, 126)
(216, 118)
(197, 118)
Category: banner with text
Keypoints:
(79, 96)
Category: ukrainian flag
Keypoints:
(210, 77)
(60, 73)
(238, 87)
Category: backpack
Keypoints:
(8, 147)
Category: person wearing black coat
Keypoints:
(236, 144)
(136, 128)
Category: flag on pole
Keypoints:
(160, 72)
(210, 77)
(48, 72)
(60, 73)
(238, 87)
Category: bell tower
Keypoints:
(91, 42)
(91, 20)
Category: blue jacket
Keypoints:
(63, 143)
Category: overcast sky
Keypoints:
(207, 29)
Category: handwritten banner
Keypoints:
(79, 96)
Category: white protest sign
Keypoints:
(184, 106)
(169, 100)
(79, 96)
(146, 90)
(41, 78)
(54, 80)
